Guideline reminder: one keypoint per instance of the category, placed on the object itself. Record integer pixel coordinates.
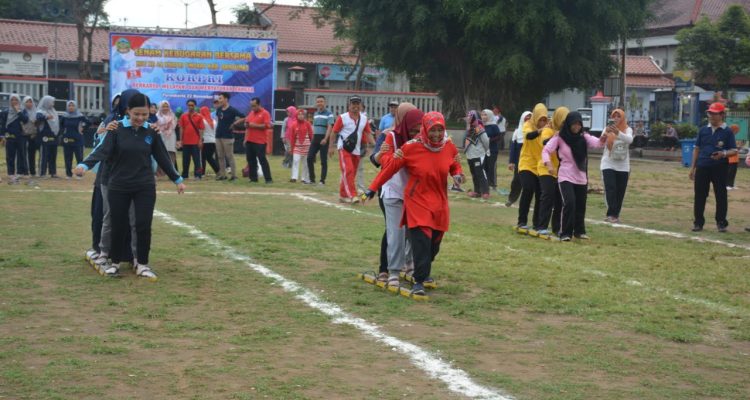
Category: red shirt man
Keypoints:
(191, 125)
(258, 121)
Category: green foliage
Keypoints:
(686, 130)
(479, 52)
(49, 10)
(658, 129)
(718, 49)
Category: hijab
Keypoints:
(47, 108)
(402, 136)
(558, 118)
(113, 110)
(430, 120)
(291, 115)
(518, 133)
(165, 119)
(474, 123)
(490, 116)
(12, 113)
(74, 114)
(539, 112)
(206, 113)
(622, 127)
(576, 142)
(411, 119)
(31, 112)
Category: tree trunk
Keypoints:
(81, 34)
(360, 74)
(622, 72)
(212, 7)
(90, 38)
(354, 67)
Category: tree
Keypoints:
(212, 8)
(244, 15)
(718, 50)
(481, 51)
(87, 15)
(48, 10)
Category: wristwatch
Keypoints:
(725, 154)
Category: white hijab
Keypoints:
(47, 108)
(518, 133)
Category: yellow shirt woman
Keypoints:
(531, 152)
(547, 133)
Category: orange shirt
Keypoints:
(258, 135)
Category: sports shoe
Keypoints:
(583, 236)
(345, 200)
(417, 290)
(292, 181)
(543, 232)
(721, 228)
(565, 238)
(144, 271)
(91, 254)
(697, 228)
(112, 270)
(747, 229)
(322, 183)
(455, 188)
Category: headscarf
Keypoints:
(165, 119)
(206, 113)
(411, 119)
(558, 118)
(30, 111)
(122, 107)
(47, 108)
(490, 117)
(74, 114)
(473, 120)
(576, 142)
(429, 120)
(291, 114)
(518, 133)
(622, 127)
(12, 113)
(113, 116)
(402, 109)
(539, 112)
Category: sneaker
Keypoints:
(292, 181)
(583, 236)
(220, 178)
(543, 232)
(721, 228)
(91, 254)
(456, 188)
(112, 270)
(307, 183)
(747, 229)
(269, 181)
(322, 183)
(508, 204)
(565, 238)
(345, 200)
(417, 289)
(144, 271)
(730, 187)
(697, 228)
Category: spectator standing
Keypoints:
(226, 116)
(15, 142)
(72, 124)
(257, 122)
(49, 128)
(208, 151)
(671, 137)
(733, 160)
(493, 134)
(322, 127)
(192, 126)
(502, 124)
(166, 122)
(302, 135)
(615, 164)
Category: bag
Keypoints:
(350, 143)
(29, 129)
(619, 151)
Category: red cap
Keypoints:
(716, 108)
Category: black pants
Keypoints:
(424, 248)
(731, 174)
(119, 204)
(49, 159)
(68, 153)
(208, 155)
(715, 175)
(316, 147)
(573, 208)
(255, 152)
(32, 150)
(490, 170)
(384, 242)
(550, 204)
(97, 216)
(530, 190)
(477, 176)
(515, 187)
(615, 184)
(191, 151)
(501, 141)
(15, 156)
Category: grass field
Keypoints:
(626, 315)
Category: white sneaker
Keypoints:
(91, 254)
(112, 270)
(144, 271)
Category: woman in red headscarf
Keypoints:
(428, 159)
(208, 150)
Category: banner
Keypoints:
(336, 72)
(21, 63)
(179, 68)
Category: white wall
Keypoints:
(573, 99)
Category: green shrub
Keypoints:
(658, 129)
(686, 130)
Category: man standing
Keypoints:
(353, 122)
(226, 115)
(501, 123)
(322, 126)
(386, 121)
(257, 122)
(191, 126)
(715, 142)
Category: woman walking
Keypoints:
(302, 135)
(428, 160)
(550, 200)
(129, 149)
(476, 147)
(528, 163)
(516, 143)
(615, 164)
(572, 145)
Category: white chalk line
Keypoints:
(458, 381)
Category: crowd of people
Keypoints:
(549, 160)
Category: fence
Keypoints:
(376, 103)
(89, 95)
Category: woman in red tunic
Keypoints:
(429, 159)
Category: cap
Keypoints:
(355, 99)
(716, 108)
(392, 104)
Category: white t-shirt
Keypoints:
(607, 162)
(209, 132)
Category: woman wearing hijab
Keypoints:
(152, 118)
(375, 159)
(572, 145)
(492, 130)
(166, 123)
(129, 149)
(15, 141)
(550, 200)
(49, 128)
(31, 131)
(516, 143)
(208, 152)
(399, 255)
(302, 135)
(72, 124)
(476, 147)
(291, 116)
(428, 160)
(615, 164)
(528, 163)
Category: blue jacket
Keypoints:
(69, 126)
(14, 129)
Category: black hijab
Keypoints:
(576, 142)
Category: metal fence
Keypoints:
(89, 95)
(376, 103)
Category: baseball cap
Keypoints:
(716, 108)
(355, 99)
(392, 104)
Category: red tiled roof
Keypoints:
(641, 65)
(675, 14)
(42, 34)
(636, 81)
(310, 58)
(300, 39)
